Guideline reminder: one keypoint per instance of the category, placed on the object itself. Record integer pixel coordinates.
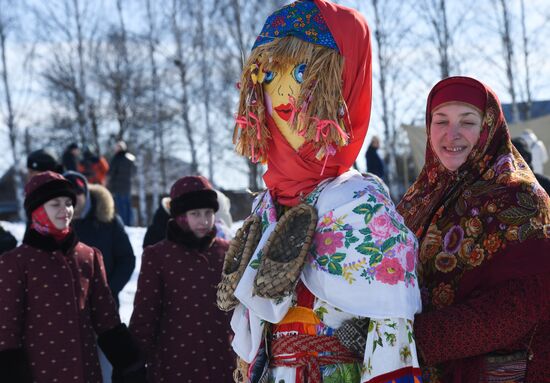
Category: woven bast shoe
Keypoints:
(284, 253)
(236, 259)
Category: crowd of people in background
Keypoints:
(91, 196)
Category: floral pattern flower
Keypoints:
(443, 295)
(382, 226)
(492, 242)
(511, 233)
(327, 242)
(491, 207)
(474, 227)
(432, 176)
(327, 220)
(445, 262)
(489, 174)
(390, 271)
(410, 261)
(466, 248)
(431, 244)
(453, 239)
(476, 256)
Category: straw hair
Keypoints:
(320, 96)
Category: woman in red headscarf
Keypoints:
(346, 313)
(483, 223)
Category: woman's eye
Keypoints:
(298, 72)
(269, 76)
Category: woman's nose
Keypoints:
(454, 129)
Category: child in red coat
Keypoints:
(175, 318)
(56, 300)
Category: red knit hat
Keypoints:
(45, 186)
(192, 192)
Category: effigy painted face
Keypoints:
(281, 90)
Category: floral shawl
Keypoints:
(483, 224)
(361, 264)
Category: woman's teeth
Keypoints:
(455, 148)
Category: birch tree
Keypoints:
(505, 31)
(392, 45)
(69, 27)
(158, 149)
(10, 119)
(182, 63)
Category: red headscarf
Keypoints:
(487, 222)
(292, 174)
(43, 224)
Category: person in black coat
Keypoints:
(156, 231)
(523, 148)
(42, 160)
(7, 241)
(97, 225)
(70, 157)
(375, 165)
(121, 172)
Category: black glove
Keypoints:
(353, 334)
(123, 352)
(14, 366)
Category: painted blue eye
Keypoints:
(269, 76)
(298, 72)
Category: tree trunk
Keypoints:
(142, 196)
(82, 101)
(380, 38)
(253, 168)
(445, 42)
(205, 74)
(529, 101)
(507, 44)
(157, 128)
(181, 64)
(12, 128)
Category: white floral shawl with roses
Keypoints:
(362, 263)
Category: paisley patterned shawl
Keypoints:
(483, 224)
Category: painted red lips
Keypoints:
(284, 111)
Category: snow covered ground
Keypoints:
(136, 234)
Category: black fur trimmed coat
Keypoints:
(103, 229)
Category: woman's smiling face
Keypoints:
(279, 86)
(454, 131)
(60, 211)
